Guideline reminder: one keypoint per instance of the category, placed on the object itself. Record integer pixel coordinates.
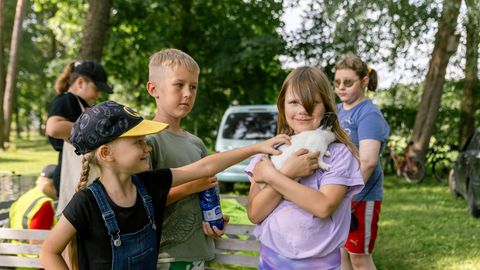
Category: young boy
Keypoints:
(186, 241)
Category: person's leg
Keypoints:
(346, 264)
(360, 242)
(362, 262)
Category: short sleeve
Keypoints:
(67, 106)
(373, 126)
(345, 168)
(77, 211)
(251, 166)
(43, 219)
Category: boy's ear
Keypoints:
(152, 89)
(105, 153)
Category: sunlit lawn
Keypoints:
(421, 226)
(27, 157)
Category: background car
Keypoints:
(243, 125)
(464, 178)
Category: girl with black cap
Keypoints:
(117, 220)
(78, 87)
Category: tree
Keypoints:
(446, 43)
(95, 30)
(12, 68)
(468, 106)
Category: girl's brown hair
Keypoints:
(67, 78)
(306, 83)
(353, 62)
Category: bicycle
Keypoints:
(441, 162)
(413, 169)
(406, 165)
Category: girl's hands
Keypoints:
(264, 171)
(267, 147)
(300, 164)
(215, 232)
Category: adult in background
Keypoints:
(34, 209)
(78, 87)
(369, 131)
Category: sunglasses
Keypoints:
(346, 83)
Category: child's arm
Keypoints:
(57, 240)
(369, 151)
(261, 202)
(321, 203)
(213, 164)
(181, 191)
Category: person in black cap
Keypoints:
(34, 209)
(78, 87)
(117, 220)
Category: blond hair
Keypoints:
(307, 83)
(171, 58)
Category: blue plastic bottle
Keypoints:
(210, 205)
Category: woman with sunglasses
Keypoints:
(369, 131)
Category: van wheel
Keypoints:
(226, 187)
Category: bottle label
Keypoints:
(213, 214)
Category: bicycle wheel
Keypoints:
(441, 168)
(416, 174)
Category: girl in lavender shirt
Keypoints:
(303, 213)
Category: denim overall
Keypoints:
(136, 250)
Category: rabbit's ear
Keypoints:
(328, 120)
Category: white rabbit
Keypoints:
(312, 140)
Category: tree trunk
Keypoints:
(467, 107)
(12, 68)
(95, 30)
(446, 43)
(2, 75)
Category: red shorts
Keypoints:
(362, 240)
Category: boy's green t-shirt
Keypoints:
(183, 238)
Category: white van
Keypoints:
(243, 125)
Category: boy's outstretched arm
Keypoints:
(211, 165)
(57, 240)
(181, 191)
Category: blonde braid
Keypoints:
(86, 159)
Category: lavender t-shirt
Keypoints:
(297, 234)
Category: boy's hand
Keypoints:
(268, 146)
(215, 232)
(203, 184)
(300, 164)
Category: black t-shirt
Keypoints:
(93, 243)
(65, 105)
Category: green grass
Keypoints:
(425, 227)
(27, 157)
(421, 226)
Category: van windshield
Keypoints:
(250, 126)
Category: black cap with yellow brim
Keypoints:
(107, 121)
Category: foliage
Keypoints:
(234, 42)
(399, 107)
(378, 31)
